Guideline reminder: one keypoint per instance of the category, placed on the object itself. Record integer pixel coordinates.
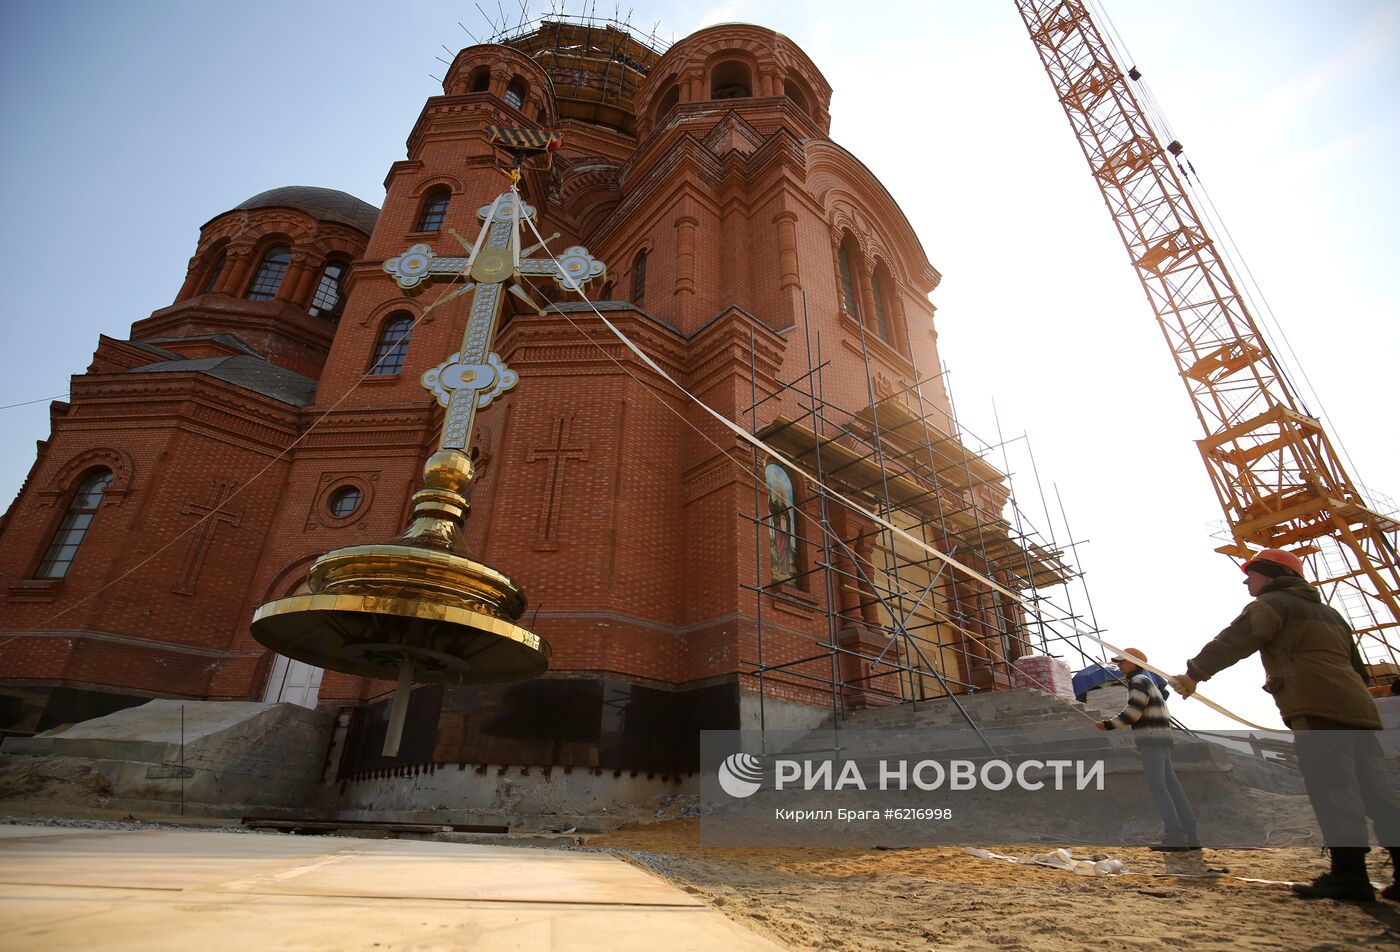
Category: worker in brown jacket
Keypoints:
(1318, 681)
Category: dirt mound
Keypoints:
(58, 782)
(947, 899)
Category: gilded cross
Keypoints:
(471, 378)
(212, 514)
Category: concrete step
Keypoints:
(1024, 724)
(1008, 698)
(977, 717)
(949, 716)
(966, 746)
(943, 721)
(1017, 745)
(1116, 760)
(996, 708)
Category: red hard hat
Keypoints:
(1130, 655)
(1277, 556)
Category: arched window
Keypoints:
(515, 93)
(434, 210)
(849, 299)
(328, 298)
(639, 277)
(481, 79)
(793, 90)
(270, 273)
(668, 101)
(884, 327)
(731, 80)
(389, 353)
(212, 277)
(64, 547)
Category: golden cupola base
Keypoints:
(417, 609)
(414, 609)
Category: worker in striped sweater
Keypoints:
(1146, 714)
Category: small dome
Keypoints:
(325, 204)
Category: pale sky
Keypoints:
(127, 126)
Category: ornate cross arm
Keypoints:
(419, 264)
(474, 376)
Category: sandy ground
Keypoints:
(945, 898)
(940, 898)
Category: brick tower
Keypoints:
(735, 232)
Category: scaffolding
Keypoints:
(596, 64)
(899, 625)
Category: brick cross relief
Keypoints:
(203, 537)
(471, 378)
(555, 455)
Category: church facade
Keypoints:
(274, 411)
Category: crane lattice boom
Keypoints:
(1278, 477)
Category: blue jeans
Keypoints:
(1166, 792)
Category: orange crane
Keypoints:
(1278, 477)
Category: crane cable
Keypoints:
(1254, 301)
(1230, 249)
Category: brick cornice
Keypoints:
(90, 634)
(114, 355)
(781, 151)
(722, 346)
(553, 345)
(191, 401)
(642, 183)
(586, 138)
(380, 428)
(687, 156)
(639, 175)
(238, 316)
(461, 116)
(710, 475)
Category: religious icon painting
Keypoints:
(782, 523)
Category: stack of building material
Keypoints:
(1046, 674)
(1108, 697)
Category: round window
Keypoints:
(345, 501)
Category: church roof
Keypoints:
(232, 340)
(251, 373)
(326, 204)
(153, 349)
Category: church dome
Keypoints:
(324, 204)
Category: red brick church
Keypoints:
(736, 235)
